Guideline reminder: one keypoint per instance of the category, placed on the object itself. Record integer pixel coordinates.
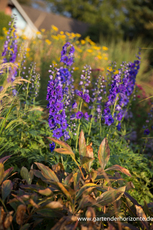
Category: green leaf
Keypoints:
(1, 172)
(103, 153)
(109, 197)
(4, 121)
(18, 121)
(6, 188)
(119, 168)
(28, 176)
(47, 172)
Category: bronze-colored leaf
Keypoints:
(7, 173)
(38, 174)
(83, 189)
(47, 172)
(33, 203)
(86, 201)
(69, 179)
(2, 215)
(84, 227)
(64, 190)
(54, 205)
(129, 185)
(103, 153)
(90, 151)
(76, 178)
(110, 196)
(7, 186)
(90, 156)
(90, 213)
(119, 168)
(58, 167)
(140, 213)
(4, 159)
(20, 214)
(59, 170)
(45, 192)
(8, 220)
(62, 143)
(1, 172)
(82, 146)
(64, 151)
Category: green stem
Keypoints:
(100, 125)
(77, 135)
(3, 204)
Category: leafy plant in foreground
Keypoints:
(64, 197)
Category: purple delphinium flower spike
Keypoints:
(121, 88)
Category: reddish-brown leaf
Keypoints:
(119, 168)
(64, 151)
(4, 159)
(140, 213)
(1, 172)
(7, 173)
(62, 143)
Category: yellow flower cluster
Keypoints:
(86, 51)
(5, 30)
(48, 41)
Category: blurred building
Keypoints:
(31, 20)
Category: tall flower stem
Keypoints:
(92, 118)
(28, 87)
(77, 135)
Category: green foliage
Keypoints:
(4, 21)
(131, 157)
(27, 139)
